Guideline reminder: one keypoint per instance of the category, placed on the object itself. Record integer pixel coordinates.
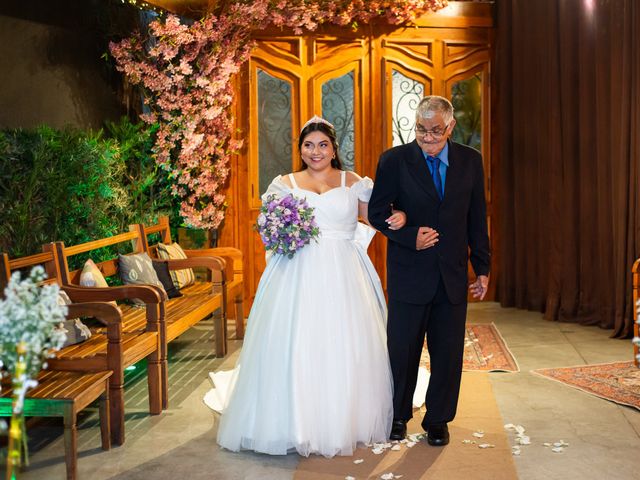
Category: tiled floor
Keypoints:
(604, 438)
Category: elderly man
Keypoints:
(439, 184)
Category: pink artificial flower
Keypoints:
(186, 77)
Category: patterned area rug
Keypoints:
(484, 349)
(618, 382)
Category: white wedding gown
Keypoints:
(313, 375)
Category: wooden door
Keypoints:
(367, 83)
(451, 62)
(289, 79)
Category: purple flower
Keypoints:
(286, 224)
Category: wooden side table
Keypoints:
(64, 394)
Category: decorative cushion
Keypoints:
(164, 275)
(137, 269)
(181, 278)
(91, 276)
(74, 328)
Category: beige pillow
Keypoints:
(91, 276)
(181, 278)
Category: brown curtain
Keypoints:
(568, 120)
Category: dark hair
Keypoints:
(330, 132)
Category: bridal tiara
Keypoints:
(316, 119)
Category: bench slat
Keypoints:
(59, 385)
(96, 244)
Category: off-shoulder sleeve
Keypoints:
(277, 188)
(363, 189)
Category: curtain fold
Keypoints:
(568, 83)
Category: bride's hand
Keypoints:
(397, 220)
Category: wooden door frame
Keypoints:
(470, 18)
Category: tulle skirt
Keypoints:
(313, 375)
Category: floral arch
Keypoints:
(185, 70)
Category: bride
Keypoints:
(314, 374)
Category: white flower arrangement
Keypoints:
(29, 317)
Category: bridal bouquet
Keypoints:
(286, 224)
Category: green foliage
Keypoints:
(75, 186)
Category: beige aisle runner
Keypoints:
(477, 411)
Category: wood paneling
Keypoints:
(442, 49)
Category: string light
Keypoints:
(142, 5)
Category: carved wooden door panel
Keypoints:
(274, 112)
(289, 80)
(434, 61)
(368, 85)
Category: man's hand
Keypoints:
(479, 288)
(427, 237)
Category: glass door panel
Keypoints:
(338, 102)
(466, 96)
(406, 93)
(274, 128)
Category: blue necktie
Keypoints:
(435, 173)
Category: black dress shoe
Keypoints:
(398, 430)
(438, 435)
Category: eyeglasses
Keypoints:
(436, 133)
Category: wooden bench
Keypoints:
(111, 347)
(64, 394)
(635, 273)
(172, 316)
(232, 257)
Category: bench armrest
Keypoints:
(215, 264)
(215, 252)
(232, 257)
(146, 293)
(104, 312)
